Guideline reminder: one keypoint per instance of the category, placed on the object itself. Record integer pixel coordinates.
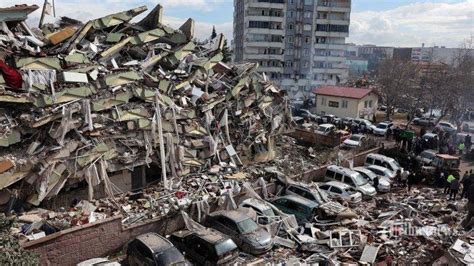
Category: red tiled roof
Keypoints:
(345, 92)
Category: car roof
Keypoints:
(430, 151)
(383, 123)
(358, 135)
(447, 156)
(326, 125)
(378, 167)
(380, 156)
(363, 170)
(236, 216)
(257, 203)
(299, 200)
(208, 234)
(154, 241)
(337, 184)
(346, 171)
(430, 134)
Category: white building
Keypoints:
(346, 102)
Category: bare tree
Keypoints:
(396, 80)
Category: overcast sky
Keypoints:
(381, 22)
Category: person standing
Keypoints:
(468, 143)
(461, 148)
(453, 189)
(447, 186)
(466, 223)
(466, 183)
(411, 180)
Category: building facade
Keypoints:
(300, 44)
(346, 102)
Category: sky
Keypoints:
(399, 23)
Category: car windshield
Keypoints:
(225, 246)
(394, 165)
(428, 155)
(387, 172)
(170, 256)
(382, 126)
(247, 226)
(368, 123)
(323, 129)
(355, 138)
(350, 191)
(268, 212)
(359, 180)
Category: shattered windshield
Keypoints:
(247, 226)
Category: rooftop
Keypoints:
(344, 92)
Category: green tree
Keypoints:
(213, 34)
(226, 53)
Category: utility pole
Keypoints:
(43, 14)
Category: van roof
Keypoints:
(337, 184)
(342, 170)
(380, 156)
(378, 167)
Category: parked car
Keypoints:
(365, 123)
(351, 178)
(341, 191)
(355, 141)
(325, 129)
(447, 127)
(264, 210)
(424, 121)
(426, 157)
(384, 161)
(206, 247)
(308, 115)
(153, 249)
(382, 172)
(303, 209)
(384, 182)
(381, 129)
(347, 121)
(327, 209)
(328, 119)
(248, 235)
(430, 141)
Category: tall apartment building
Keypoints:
(300, 44)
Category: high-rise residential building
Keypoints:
(300, 44)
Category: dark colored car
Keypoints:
(244, 231)
(303, 209)
(153, 249)
(206, 247)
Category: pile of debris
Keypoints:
(81, 101)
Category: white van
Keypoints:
(384, 161)
(351, 178)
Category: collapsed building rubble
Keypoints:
(108, 95)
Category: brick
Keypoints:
(6, 165)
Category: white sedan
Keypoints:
(354, 141)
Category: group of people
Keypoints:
(453, 184)
(468, 192)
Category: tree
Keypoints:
(213, 34)
(227, 53)
(396, 80)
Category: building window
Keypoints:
(306, 52)
(370, 104)
(290, 26)
(307, 14)
(366, 104)
(290, 39)
(292, 14)
(308, 2)
(306, 64)
(323, 101)
(290, 51)
(307, 27)
(333, 104)
(306, 40)
(344, 104)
